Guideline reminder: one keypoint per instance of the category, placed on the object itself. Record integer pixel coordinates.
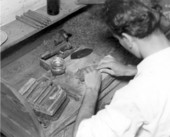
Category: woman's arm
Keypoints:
(92, 82)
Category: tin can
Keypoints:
(58, 66)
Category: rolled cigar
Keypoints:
(26, 22)
(35, 19)
(32, 21)
(39, 15)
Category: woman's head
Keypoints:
(131, 17)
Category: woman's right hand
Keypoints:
(109, 65)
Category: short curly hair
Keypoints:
(131, 17)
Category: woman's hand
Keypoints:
(111, 66)
(92, 78)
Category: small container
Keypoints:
(53, 7)
(58, 66)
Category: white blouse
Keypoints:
(140, 109)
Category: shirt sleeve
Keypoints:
(122, 118)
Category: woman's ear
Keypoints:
(128, 40)
(132, 44)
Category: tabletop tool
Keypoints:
(81, 53)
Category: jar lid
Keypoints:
(57, 62)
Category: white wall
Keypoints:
(11, 8)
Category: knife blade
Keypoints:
(81, 53)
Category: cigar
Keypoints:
(40, 16)
(32, 21)
(36, 19)
(26, 22)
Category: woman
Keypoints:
(142, 108)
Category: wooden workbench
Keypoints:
(86, 30)
(72, 83)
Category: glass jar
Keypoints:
(58, 66)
